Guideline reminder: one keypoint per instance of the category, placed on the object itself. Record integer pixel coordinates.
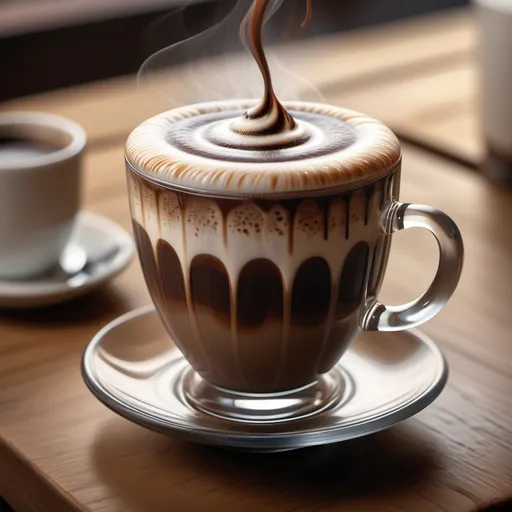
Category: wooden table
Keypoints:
(62, 450)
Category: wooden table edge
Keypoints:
(26, 488)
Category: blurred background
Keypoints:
(49, 44)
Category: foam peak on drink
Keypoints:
(262, 147)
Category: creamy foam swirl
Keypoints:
(268, 120)
(186, 149)
(210, 136)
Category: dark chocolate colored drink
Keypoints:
(260, 269)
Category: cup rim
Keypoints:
(44, 119)
(263, 196)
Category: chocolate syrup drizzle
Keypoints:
(268, 117)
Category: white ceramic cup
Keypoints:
(40, 182)
(494, 22)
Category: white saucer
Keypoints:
(133, 367)
(99, 251)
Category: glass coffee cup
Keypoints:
(265, 263)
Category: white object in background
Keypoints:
(494, 21)
(99, 250)
(39, 190)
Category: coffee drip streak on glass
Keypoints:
(270, 297)
(268, 117)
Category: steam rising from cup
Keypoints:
(219, 66)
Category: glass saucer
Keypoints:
(134, 368)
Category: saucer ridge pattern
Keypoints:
(133, 368)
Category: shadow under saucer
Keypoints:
(149, 471)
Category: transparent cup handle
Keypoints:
(399, 216)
